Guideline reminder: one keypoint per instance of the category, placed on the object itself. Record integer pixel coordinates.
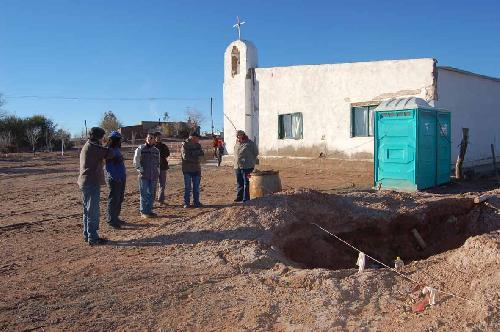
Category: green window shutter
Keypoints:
(281, 128)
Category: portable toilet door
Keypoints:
(395, 149)
(443, 171)
(426, 149)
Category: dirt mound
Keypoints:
(380, 224)
(383, 224)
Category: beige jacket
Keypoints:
(245, 154)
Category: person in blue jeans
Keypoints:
(147, 163)
(245, 159)
(90, 179)
(116, 180)
(191, 153)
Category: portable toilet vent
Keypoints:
(412, 145)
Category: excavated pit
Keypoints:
(442, 225)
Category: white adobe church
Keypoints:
(311, 109)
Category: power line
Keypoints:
(104, 98)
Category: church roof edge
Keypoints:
(345, 63)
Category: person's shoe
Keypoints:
(115, 225)
(145, 216)
(185, 206)
(237, 200)
(197, 205)
(86, 239)
(153, 215)
(121, 221)
(97, 242)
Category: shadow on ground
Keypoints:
(243, 233)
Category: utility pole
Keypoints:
(86, 133)
(212, 115)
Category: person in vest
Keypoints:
(191, 152)
(164, 153)
(147, 163)
(116, 179)
(90, 179)
(245, 158)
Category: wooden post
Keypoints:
(461, 154)
(494, 162)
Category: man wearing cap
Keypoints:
(245, 158)
(147, 163)
(164, 153)
(90, 179)
(116, 179)
(191, 152)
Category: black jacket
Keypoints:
(164, 153)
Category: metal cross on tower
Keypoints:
(238, 26)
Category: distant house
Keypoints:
(178, 129)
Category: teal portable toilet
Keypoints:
(412, 145)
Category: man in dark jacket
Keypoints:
(90, 179)
(116, 179)
(164, 153)
(147, 163)
(191, 152)
(245, 158)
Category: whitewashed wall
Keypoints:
(474, 103)
(324, 94)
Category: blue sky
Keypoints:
(139, 49)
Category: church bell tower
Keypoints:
(240, 92)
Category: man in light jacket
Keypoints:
(147, 163)
(245, 158)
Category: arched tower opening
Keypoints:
(235, 61)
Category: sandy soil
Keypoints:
(258, 266)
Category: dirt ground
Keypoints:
(264, 265)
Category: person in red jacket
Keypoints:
(219, 149)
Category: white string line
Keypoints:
(392, 269)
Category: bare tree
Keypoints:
(109, 122)
(49, 139)
(166, 116)
(33, 135)
(194, 117)
(62, 139)
(133, 134)
(3, 113)
(5, 140)
(167, 129)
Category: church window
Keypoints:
(362, 121)
(290, 126)
(235, 61)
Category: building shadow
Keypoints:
(32, 171)
(243, 233)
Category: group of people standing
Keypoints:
(150, 161)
